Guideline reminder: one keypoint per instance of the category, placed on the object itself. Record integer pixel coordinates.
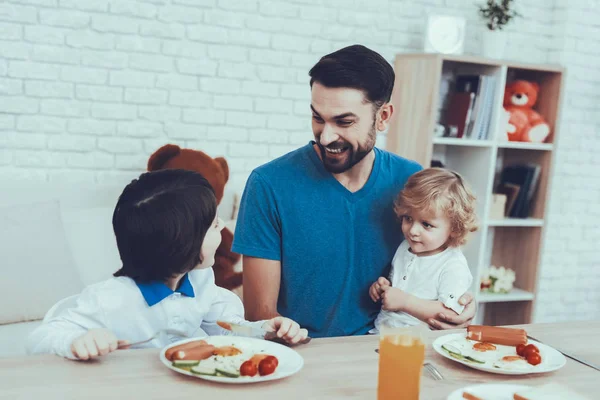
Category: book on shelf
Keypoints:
(487, 107)
(511, 191)
(519, 183)
(458, 112)
(470, 106)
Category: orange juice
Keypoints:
(400, 362)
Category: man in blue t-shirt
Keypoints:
(316, 226)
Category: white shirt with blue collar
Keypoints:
(135, 312)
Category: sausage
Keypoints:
(469, 396)
(195, 353)
(227, 351)
(497, 335)
(169, 353)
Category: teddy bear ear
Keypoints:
(161, 156)
(223, 163)
(536, 86)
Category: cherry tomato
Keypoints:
(534, 358)
(248, 368)
(266, 367)
(273, 359)
(530, 349)
(520, 349)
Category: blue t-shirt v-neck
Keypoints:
(332, 243)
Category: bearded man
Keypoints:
(317, 225)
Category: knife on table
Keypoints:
(571, 356)
(249, 331)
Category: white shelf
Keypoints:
(514, 295)
(462, 142)
(526, 146)
(508, 222)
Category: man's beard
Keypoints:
(349, 158)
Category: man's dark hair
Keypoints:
(160, 222)
(356, 67)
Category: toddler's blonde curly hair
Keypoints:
(437, 190)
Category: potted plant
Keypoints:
(496, 14)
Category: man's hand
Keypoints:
(377, 288)
(393, 299)
(94, 343)
(450, 320)
(286, 329)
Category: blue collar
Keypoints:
(155, 292)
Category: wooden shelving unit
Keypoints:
(510, 242)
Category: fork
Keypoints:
(435, 374)
(156, 334)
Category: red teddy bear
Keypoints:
(524, 125)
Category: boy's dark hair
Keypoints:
(356, 67)
(160, 222)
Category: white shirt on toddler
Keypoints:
(135, 312)
(444, 276)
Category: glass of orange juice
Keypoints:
(401, 356)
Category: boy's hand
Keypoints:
(94, 343)
(393, 299)
(377, 288)
(286, 329)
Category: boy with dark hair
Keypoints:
(167, 232)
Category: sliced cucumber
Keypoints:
(228, 372)
(204, 370)
(451, 349)
(456, 353)
(469, 358)
(185, 363)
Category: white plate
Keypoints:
(551, 359)
(489, 391)
(290, 361)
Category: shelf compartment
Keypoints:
(515, 222)
(517, 248)
(507, 313)
(514, 295)
(549, 98)
(510, 156)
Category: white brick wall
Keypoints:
(570, 274)
(90, 88)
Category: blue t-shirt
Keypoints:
(332, 244)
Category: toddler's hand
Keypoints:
(94, 343)
(286, 329)
(377, 288)
(393, 299)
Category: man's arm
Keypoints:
(449, 320)
(262, 279)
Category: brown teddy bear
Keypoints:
(216, 172)
(525, 125)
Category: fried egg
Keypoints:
(489, 355)
(513, 364)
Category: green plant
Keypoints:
(497, 13)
